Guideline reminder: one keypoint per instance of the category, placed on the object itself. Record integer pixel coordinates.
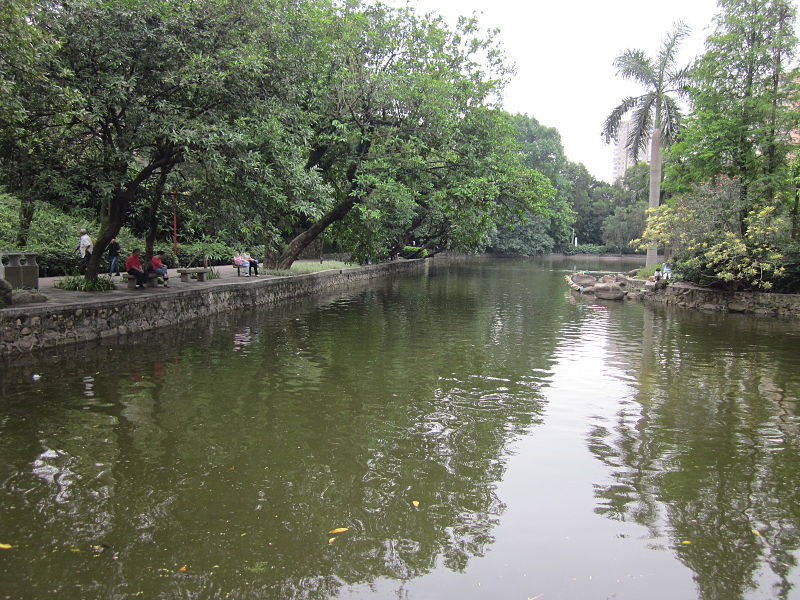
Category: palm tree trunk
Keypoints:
(655, 188)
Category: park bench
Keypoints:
(199, 271)
(152, 279)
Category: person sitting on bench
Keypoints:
(159, 268)
(134, 268)
(252, 262)
(242, 263)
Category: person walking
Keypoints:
(85, 247)
(113, 256)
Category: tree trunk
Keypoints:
(152, 214)
(300, 242)
(27, 209)
(115, 219)
(654, 198)
(338, 212)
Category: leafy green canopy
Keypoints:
(263, 123)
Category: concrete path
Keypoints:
(57, 297)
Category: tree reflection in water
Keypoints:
(712, 452)
(195, 471)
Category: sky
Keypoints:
(564, 53)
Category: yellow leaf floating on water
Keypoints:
(415, 502)
(756, 531)
(686, 542)
(6, 546)
(339, 530)
(331, 540)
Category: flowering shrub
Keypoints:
(717, 240)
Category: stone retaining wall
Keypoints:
(38, 326)
(691, 296)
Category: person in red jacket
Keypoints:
(158, 267)
(134, 268)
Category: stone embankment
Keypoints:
(93, 316)
(686, 295)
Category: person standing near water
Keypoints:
(113, 256)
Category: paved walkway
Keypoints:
(57, 297)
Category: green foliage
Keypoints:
(306, 267)
(625, 225)
(216, 253)
(80, 283)
(646, 272)
(413, 252)
(714, 246)
(585, 249)
(745, 99)
(550, 225)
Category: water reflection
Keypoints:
(219, 468)
(212, 462)
(708, 456)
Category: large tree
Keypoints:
(157, 84)
(656, 113)
(403, 93)
(745, 98)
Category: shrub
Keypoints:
(585, 249)
(413, 252)
(80, 284)
(57, 261)
(218, 253)
(646, 272)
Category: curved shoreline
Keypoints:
(74, 317)
(687, 295)
(83, 316)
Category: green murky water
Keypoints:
(479, 432)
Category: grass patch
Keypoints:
(79, 283)
(303, 268)
(646, 272)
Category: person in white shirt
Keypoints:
(85, 248)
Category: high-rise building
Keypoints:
(623, 157)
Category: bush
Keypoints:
(57, 261)
(585, 249)
(646, 272)
(218, 253)
(80, 284)
(413, 252)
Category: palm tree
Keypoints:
(656, 113)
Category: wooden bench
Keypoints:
(152, 279)
(199, 271)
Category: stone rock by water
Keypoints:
(583, 280)
(609, 291)
(28, 297)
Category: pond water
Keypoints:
(479, 431)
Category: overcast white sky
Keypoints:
(564, 52)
